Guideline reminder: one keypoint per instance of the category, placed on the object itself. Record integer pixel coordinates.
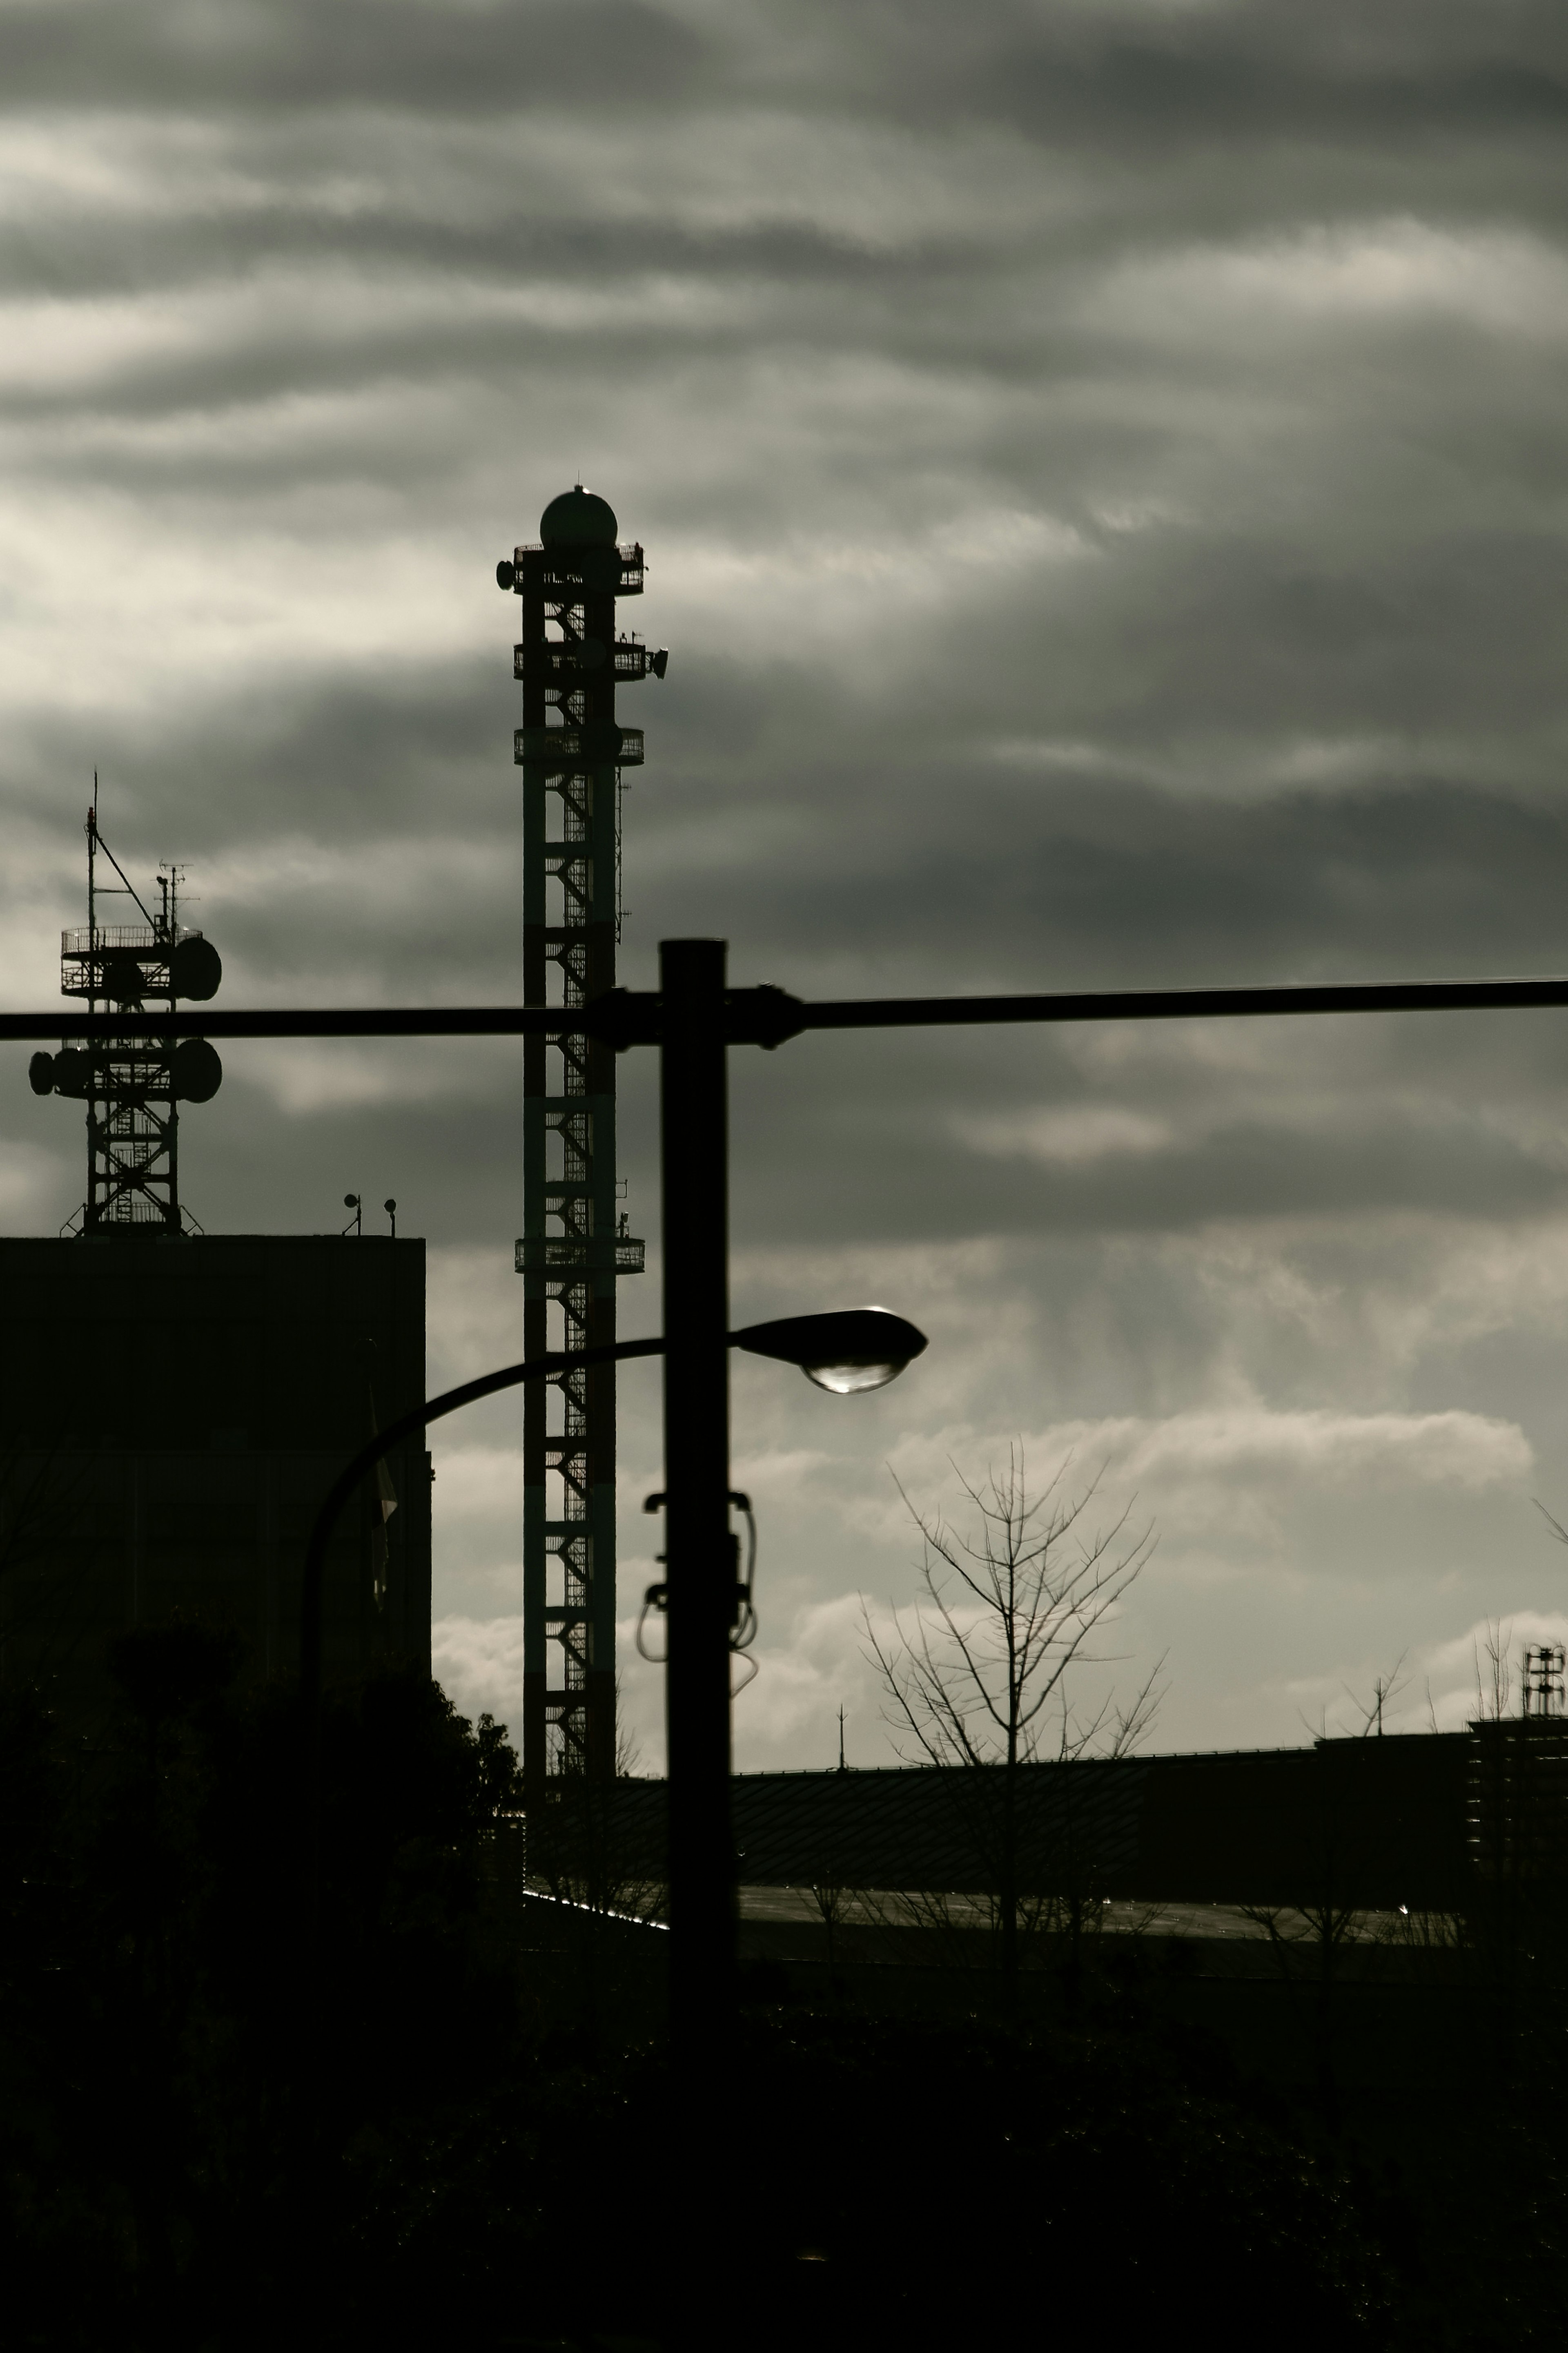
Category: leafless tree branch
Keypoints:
(989, 1653)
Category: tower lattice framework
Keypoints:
(573, 1247)
(133, 1082)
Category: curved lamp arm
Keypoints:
(844, 1350)
(539, 1368)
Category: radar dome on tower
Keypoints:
(578, 518)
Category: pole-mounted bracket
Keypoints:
(765, 1017)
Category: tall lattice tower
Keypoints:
(132, 1083)
(575, 1245)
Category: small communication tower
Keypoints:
(572, 751)
(133, 1082)
(1543, 1679)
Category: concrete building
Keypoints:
(174, 1408)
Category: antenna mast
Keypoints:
(132, 1083)
(571, 1249)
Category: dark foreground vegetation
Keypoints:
(252, 2098)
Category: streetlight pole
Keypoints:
(701, 1575)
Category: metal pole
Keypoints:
(770, 1016)
(701, 1574)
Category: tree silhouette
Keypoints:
(980, 1680)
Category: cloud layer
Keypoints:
(1102, 472)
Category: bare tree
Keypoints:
(1385, 1690)
(977, 1681)
(1494, 1676)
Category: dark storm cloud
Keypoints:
(811, 1163)
(407, 749)
(288, 54)
(1164, 78)
(1119, 882)
(452, 1164)
(1145, 77)
(107, 258)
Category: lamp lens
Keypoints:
(846, 1380)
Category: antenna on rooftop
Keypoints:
(131, 1081)
(1543, 1679)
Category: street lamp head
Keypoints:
(858, 1348)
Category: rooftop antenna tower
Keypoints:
(132, 1083)
(1542, 1680)
(575, 1245)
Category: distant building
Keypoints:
(174, 1408)
(1431, 1822)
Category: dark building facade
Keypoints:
(174, 1409)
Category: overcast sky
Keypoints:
(1102, 473)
